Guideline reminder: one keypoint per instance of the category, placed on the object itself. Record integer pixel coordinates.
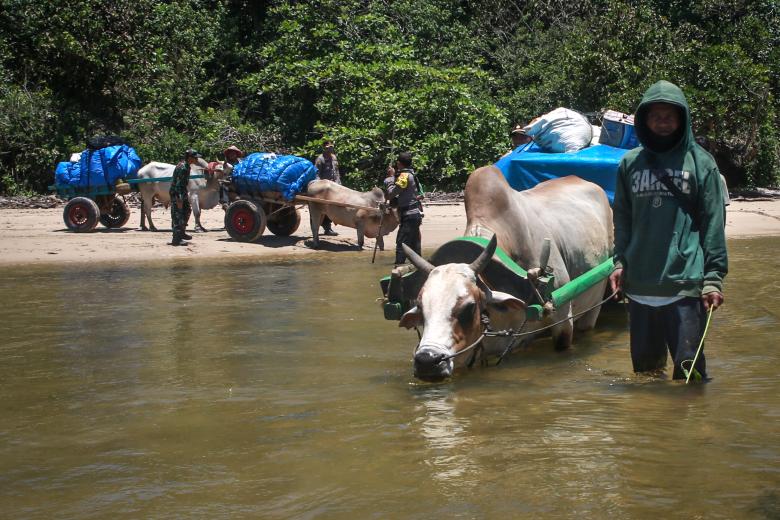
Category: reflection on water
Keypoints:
(206, 389)
(447, 438)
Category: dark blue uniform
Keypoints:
(403, 188)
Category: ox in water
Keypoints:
(572, 213)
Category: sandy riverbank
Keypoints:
(40, 236)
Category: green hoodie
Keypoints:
(665, 250)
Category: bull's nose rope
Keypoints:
(446, 357)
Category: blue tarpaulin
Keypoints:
(99, 167)
(287, 174)
(527, 166)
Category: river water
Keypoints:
(276, 390)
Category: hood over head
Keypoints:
(682, 139)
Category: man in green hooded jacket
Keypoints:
(670, 245)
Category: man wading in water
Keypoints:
(670, 245)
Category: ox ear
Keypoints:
(504, 302)
(411, 318)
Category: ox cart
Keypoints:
(246, 218)
(104, 203)
(523, 168)
(251, 212)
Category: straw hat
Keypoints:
(233, 148)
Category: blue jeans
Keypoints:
(677, 327)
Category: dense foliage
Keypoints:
(442, 79)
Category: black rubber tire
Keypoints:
(244, 221)
(118, 217)
(284, 222)
(81, 215)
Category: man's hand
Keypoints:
(390, 171)
(179, 203)
(616, 282)
(712, 299)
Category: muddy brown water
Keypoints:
(277, 390)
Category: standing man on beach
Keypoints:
(670, 245)
(402, 189)
(327, 165)
(180, 204)
(233, 155)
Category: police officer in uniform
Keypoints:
(404, 191)
(180, 204)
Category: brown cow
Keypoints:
(365, 221)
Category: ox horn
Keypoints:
(482, 260)
(419, 262)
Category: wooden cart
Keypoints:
(88, 206)
(248, 216)
(105, 204)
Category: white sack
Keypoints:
(561, 130)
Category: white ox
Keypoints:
(365, 221)
(202, 193)
(573, 213)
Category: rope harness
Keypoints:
(511, 333)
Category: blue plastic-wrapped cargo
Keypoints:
(66, 172)
(99, 167)
(528, 165)
(287, 174)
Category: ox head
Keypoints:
(449, 307)
(215, 170)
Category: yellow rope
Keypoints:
(706, 327)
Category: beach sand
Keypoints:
(32, 236)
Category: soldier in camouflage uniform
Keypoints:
(180, 204)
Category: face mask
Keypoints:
(658, 143)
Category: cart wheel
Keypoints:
(284, 222)
(244, 221)
(81, 214)
(118, 217)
